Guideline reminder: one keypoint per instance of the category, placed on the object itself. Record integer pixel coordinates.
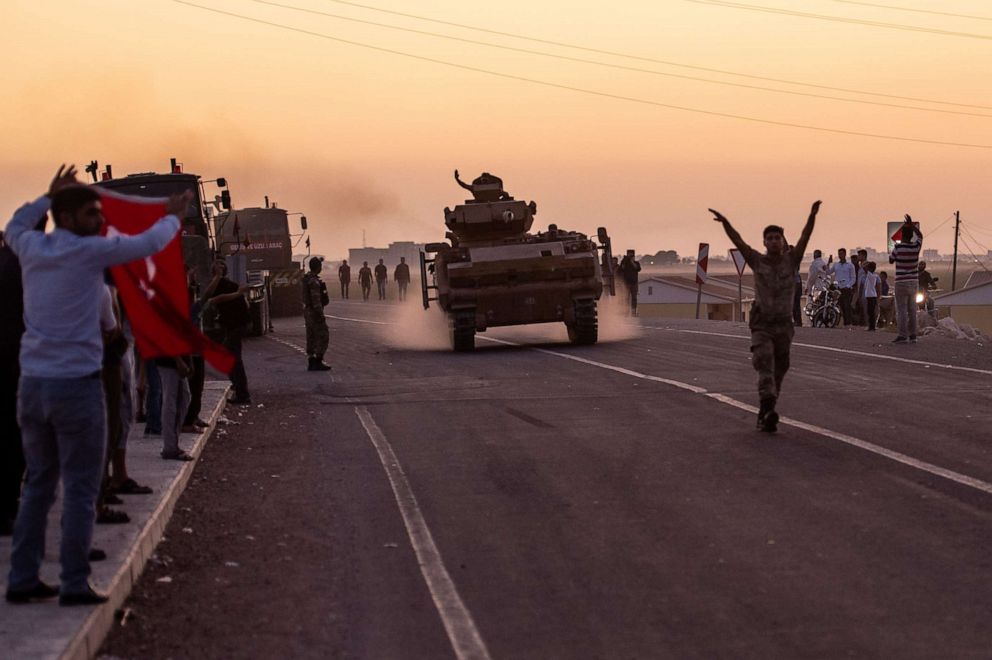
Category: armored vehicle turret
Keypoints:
(494, 272)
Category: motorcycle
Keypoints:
(924, 298)
(823, 309)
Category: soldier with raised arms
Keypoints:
(771, 320)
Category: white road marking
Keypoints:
(345, 318)
(899, 457)
(289, 344)
(457, 620)
(833, 349)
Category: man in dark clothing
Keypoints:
(380, 279)
(344, 276)
(771, 314)
(365, 280)
(629, 273)
(11, 329)
(232, 316)
(402, 276)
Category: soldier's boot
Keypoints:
(767, 417)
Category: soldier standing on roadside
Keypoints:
(771, 315)
(381, 273)
(402, 276)
(344, 275)
(630, 270)
(315, 298)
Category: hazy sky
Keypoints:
(362, 139)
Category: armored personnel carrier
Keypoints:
(494, 272)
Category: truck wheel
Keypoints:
(585, 329)
(462, 329)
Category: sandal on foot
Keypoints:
(131, 487)
(108, 516)
(178, 456)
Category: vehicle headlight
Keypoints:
(919, 298)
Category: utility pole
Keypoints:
(954, 269)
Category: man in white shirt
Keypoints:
(845, 277)
(61, 408)
(818, 278)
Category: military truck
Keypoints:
(494, 272)
(258, 241)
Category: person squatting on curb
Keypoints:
(315, 298)
(771, 321)
(61, 408)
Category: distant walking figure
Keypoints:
(365, 280)
(402, 277)
(771, 320)
(344, 276)
(381, 274)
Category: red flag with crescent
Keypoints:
(153, 290)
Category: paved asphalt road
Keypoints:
(535, 500)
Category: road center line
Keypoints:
(899, 457)
(457, 620)
(834, 349)
(345, 318)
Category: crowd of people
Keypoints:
(866, 294)
(73, 384)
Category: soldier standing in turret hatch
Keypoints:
(486, 188)
(315, 298)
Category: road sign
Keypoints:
(893, 233)
(738, 259)
(701, 262)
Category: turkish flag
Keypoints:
(153, 289)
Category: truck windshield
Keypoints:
(140, 188)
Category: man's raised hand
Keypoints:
(63, 178)
(816, 208)
(717, 216)
(178, 204)
(909, 219)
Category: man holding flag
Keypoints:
(60, 398)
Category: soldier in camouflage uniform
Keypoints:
(771, 314)
(314, 299)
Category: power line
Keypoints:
(841, 19)
(932, 12)
(562, 44)
(971, 251)
(613, 66)
(946, 220)
(553, 85)
(977, 242)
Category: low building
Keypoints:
(971, 305)
(674, 297)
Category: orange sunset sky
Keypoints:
(363, 139)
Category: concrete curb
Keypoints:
(87, 641)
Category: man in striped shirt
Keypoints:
(906, 257)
